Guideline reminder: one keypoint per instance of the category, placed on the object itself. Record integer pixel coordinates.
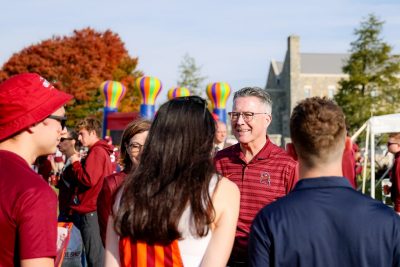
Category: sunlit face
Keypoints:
(393, 145)
(253, 130)
(87, 138)
(220, 133)
(134, 148)
(49, 133)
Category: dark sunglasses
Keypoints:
(61, 119)
(62, 139)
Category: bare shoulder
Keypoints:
(226, 201)
(226, 189)
(228, 185)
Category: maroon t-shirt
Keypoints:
(28, 217)
(271, 174)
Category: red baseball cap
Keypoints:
(26, 99)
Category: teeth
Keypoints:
(242, 130)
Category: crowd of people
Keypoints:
(179, 194)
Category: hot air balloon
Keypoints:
(150, 88)
(112, 92)
(218, 93)
(178, 92)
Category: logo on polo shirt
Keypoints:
(265, 178)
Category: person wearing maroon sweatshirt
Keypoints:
(89, 173)
(394, 148)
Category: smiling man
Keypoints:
(32, 120)
(262, 171)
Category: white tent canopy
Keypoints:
(376, 125)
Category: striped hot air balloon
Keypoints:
(218, 93)
(150, 88)
(178, 92)
(112, 92)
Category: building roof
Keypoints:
(322, 63)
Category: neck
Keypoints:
(251, 149)
(326, 169)
(94, 142)
(21, 149)
(71, 152)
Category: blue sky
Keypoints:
(234, 41)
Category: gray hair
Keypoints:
(258, 92)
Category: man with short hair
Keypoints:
(262, 171)
(32, 120)
(89, 174)
(323, 221)
(220, 137)
(67, 184)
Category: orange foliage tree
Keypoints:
(78, 64)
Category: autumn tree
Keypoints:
(373, 85)
(190, 75)
(78, 64)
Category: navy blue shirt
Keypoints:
(325, 222)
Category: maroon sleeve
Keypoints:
(37, 223)
(104, 206)
(218, 166)
(397, 177)
(292, 177)
(349, 167)
(90, 174)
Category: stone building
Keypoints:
(300, 75)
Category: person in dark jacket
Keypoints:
(89, 174)
(132, 142)
(323, 221)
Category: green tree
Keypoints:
(78, 64)
(190, 76)
(372, 87)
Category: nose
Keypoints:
(240, 119)
(63, 131)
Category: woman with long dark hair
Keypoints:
(173, 210)
(132, 141)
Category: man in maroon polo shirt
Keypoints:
(262, 171)
(89, 174)
(31, 123)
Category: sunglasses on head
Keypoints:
(61, 119)
(194, 99)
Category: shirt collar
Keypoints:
(264, 153)
(324, 181)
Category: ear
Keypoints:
(33, 128)
(93, 132)
(268, 119)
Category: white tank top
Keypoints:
(193, 248)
